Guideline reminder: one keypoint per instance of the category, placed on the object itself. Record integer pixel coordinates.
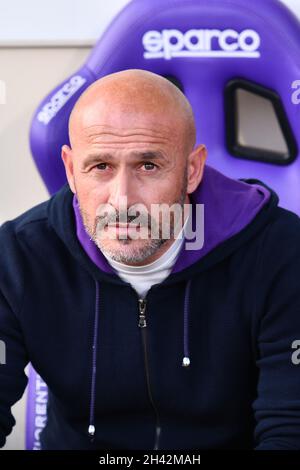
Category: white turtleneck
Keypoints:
(143, 277)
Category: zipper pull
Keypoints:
(142, 317)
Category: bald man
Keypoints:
(157, 298)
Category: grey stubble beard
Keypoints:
(136, 254)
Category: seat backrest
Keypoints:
(211, 49)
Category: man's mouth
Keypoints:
(119, 225)
(124, 228)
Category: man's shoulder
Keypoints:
(37, 217)
(281, 237)
(26, 221)
(20, 239)
(285, 223)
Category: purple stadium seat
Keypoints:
(213, 50)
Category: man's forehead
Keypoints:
(149, 108)
(96, 156)
(114, 110)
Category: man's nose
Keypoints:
(121, 190)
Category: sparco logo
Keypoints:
(58, 100)
(170, 43)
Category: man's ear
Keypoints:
(196, 163)
(67, 158)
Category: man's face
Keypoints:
(129, 161)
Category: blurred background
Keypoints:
(41, 43)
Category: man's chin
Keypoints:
(127, 250)
(127, 244)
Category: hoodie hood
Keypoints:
(234, 210)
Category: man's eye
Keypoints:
(101, 166)
(149, 166)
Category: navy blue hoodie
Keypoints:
(204, 362)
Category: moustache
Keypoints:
(140, 220)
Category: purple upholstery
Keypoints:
(275, 63)
(204, 44)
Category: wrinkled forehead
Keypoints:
(112, 120)
(129, 105)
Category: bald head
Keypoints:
(120, 98)
(132, 138)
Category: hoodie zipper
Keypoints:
(143, 324)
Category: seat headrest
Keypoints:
(205, 46)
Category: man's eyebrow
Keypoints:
(96, 157)
(150, 155)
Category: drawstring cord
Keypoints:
(186, 358)
(91, 428)
(185, 362)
